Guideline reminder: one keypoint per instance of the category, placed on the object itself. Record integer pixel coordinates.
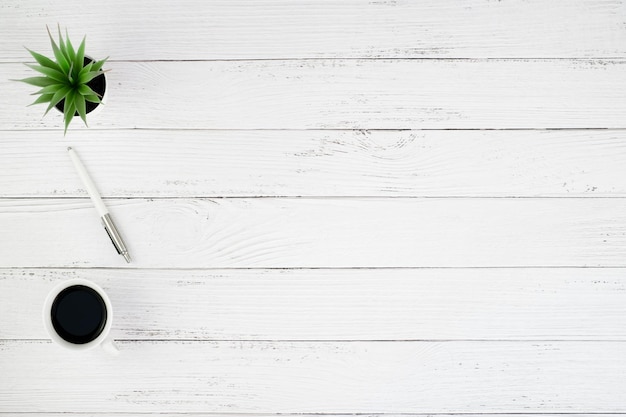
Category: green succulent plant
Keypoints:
(65, 78)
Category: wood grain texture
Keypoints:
(393, 272)
(191, 163)
(346, 94)
(235, 29)
(362, 304)
(331, 377)
(206, 414)
(329, 232)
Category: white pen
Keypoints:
(103, 212)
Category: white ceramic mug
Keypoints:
(102, 339)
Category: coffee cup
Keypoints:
(78, 315)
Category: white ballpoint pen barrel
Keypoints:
(88, 183)
(105, 217)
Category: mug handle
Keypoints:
(109, 347)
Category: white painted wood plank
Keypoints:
(362, 94)
(303, 415)
(202, 414)
(235, 29)
(387, 304)
(331, 377)
(191, 163)
(335, 232)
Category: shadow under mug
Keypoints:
(78, 315)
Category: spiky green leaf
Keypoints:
(89, 94)
(63, 63)
(86, 69)
(42, 99)
(69, 98)
(84, 89)
(69, 115)
(44, 61)
(57, 97)
(49, 72)
(79, 103)
(39, 81)
(80, 56)
(49, 89)
(69, 109)
(63, 47)
(70, 74)
(92, 98)
(85, 78)
(97, 66)
(71, 54)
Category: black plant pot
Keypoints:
(98, 84)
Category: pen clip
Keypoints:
(115, 237)
(111, 237)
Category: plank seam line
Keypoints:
(576, 413)
(199, 413)
(356, 58)
(305, 268)
(359, 129)
(316, 197)
(309, 268)
(330, 341)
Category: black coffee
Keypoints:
(79, 314)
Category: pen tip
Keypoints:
(126, 256)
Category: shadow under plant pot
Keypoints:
(98, 84)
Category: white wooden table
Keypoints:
(334, 207)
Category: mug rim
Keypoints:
(47, 316)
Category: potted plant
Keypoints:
(72, 82)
